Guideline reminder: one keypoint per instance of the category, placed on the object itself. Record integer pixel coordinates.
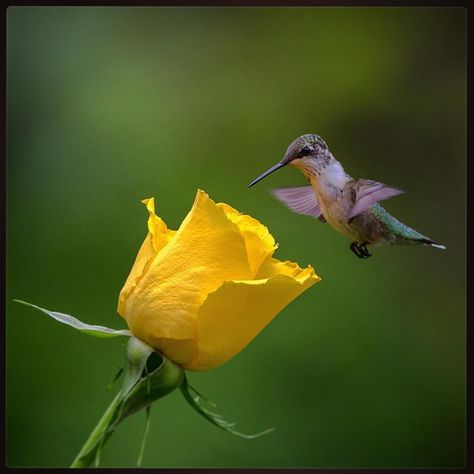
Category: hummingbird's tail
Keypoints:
(432, 243)
(400, 233)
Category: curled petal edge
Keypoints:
(224, 329)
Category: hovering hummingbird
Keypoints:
(349, 205)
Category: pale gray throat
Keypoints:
(317, 167)
(329, 173)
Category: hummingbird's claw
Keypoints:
(355, 249)
(360, 249)
(364, 250)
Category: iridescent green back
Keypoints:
(394, 226)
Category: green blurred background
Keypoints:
(107, 106)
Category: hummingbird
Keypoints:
(350, 206)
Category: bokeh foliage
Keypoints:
(106, 106)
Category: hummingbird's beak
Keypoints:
(271, 170)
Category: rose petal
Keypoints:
(207, 249)
(158, 236)
(181, 351)
(159, 232)
(258, 241)
(273, 266)
(234, 314)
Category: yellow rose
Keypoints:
(200, 294)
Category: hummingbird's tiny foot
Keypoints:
(356, 250)
(364, 251)
(360, 249)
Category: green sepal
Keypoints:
(90, 329)
(116, 377)
(193, 397)
(145, 435)
(163, 377)
(137, 355)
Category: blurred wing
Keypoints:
(301, 199)
(368, 192)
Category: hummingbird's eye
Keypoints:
(305, 151)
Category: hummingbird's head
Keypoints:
(305, 151)
(309, 153)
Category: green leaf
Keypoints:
(93, 330)
(193, 397)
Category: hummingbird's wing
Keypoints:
(367, 192)
(301, 199)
